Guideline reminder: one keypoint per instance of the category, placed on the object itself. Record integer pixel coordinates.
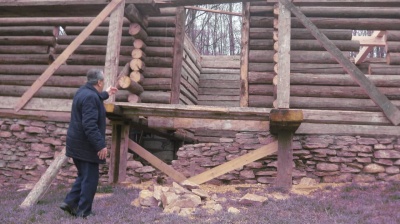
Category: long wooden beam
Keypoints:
(381, 100)
(66, 53)
(235, 163)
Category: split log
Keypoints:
(155, 97)
(137, 65)
(157, 72)
(138, 54)
(161, 31)
(136, 76)
(304, 34)
(261, 44)
(392, 46)
(17, 59)
(53, 21)
(376, 69)
(133, 98)
(261, 56)
(345, 23)
(137, 31)
(45, 180)
(162, 21)
(159, 51)
(314, 45)
(124, 82)
(77, 59)
(315, 68)
(160, 41)
(157, 84)
(27, 40)
(261, 67)
(316, 57)
(139, 44)
(94, 40)
(261, 77)
(393, 58)
(93, 49)
(261, 22)
(392, 35)
(26, 49)
(27, 31)
(158, 62)
(100, 31)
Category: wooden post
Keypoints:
(178, 55)
(113, 47)
(387, 107)
(285, 160)
(118, 152)
(45, 181)
(244, 57)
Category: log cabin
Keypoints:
(294, 104)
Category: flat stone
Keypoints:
(306, 181)
(5, 134)
(16, 127)
(386, 162)
(178, 189)
(133, 164)
(187, 201)
(392, 170)
(252, 200)
(201, 193)
(189, 185)
(145, 169)
(247, 174)
(358, 148)
(40, 147)
(364, 178)
(387, 154)
(35, 130)
(146, 198)
(393, 178)
(367, 141)
(168, 198)
(233, 210)
(327, 167)
(374, 168)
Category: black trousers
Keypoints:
(80, 198)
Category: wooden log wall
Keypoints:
(220, 81)
(190, 79)
(309, 60)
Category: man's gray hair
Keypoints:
(94, 75)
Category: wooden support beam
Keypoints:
(285, 120)
(178, 55)
(118, 152)
(370, 40)
(156, 162)
(66, 53)
(244, 57)
(235, 163)
(285, 160)
(113, 47)
(381, 100)
(367, 49)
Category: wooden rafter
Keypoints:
(365, 50)
(391, 111)
(66, 53)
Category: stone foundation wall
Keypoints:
(323, 158)
(27, 148)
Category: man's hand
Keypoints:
(102, 153)
(111, 90)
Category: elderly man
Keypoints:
(86, 143)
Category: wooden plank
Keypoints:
(156, 162)
(285, 160)
(235, 163)
(174, 123)
(283, 85)
(66, 53)
(113, 47)
(381, 100)
(178, 55)
(244, 57)
(367, 49)
(113, 170)
(348, 129)
(370, 41)
(63, 105)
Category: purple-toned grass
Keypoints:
(353, 203)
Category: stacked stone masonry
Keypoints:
(27, 148)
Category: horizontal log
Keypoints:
(159, 51)
(222, 84)
(315, 57)
(161, 31)
(332, 34)
(376, 69)
(346, 129)
(192, 89)
(155, 97)
(27, 31)
(47, 104)
(92, 49)
(190, 77)
(158, 62)
(160, 41)
(256, 10)
(44, 92)
(218, 98)
(261, 56)
(27, 40)
(261, 101)
(190, 66)
(209, 124)
(392, 46)
(261, 77)
(101, 30)
(55, 81)
(157, 84)
(261, 44)
(17, 59)
(157, 72)
(137, 31)
(345, 23)
(220, 76)
(168, 11)
(315, 68)
(350, 12)
(261, 89)
(220, 64)
(220, 57)
(37, 115)
(393, 58)
(124, 82)
(187, 97)
(161, 21)
(261, 67)
(392, 35)
(314, 45)
(94, 40)
(80, 59)
(221, 92)
(24, 49)
(216, 70)
(73, 70)
(261, 21)
(52, 21)
(221, 103)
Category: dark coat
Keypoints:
(87, 129)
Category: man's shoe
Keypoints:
(65, 207)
